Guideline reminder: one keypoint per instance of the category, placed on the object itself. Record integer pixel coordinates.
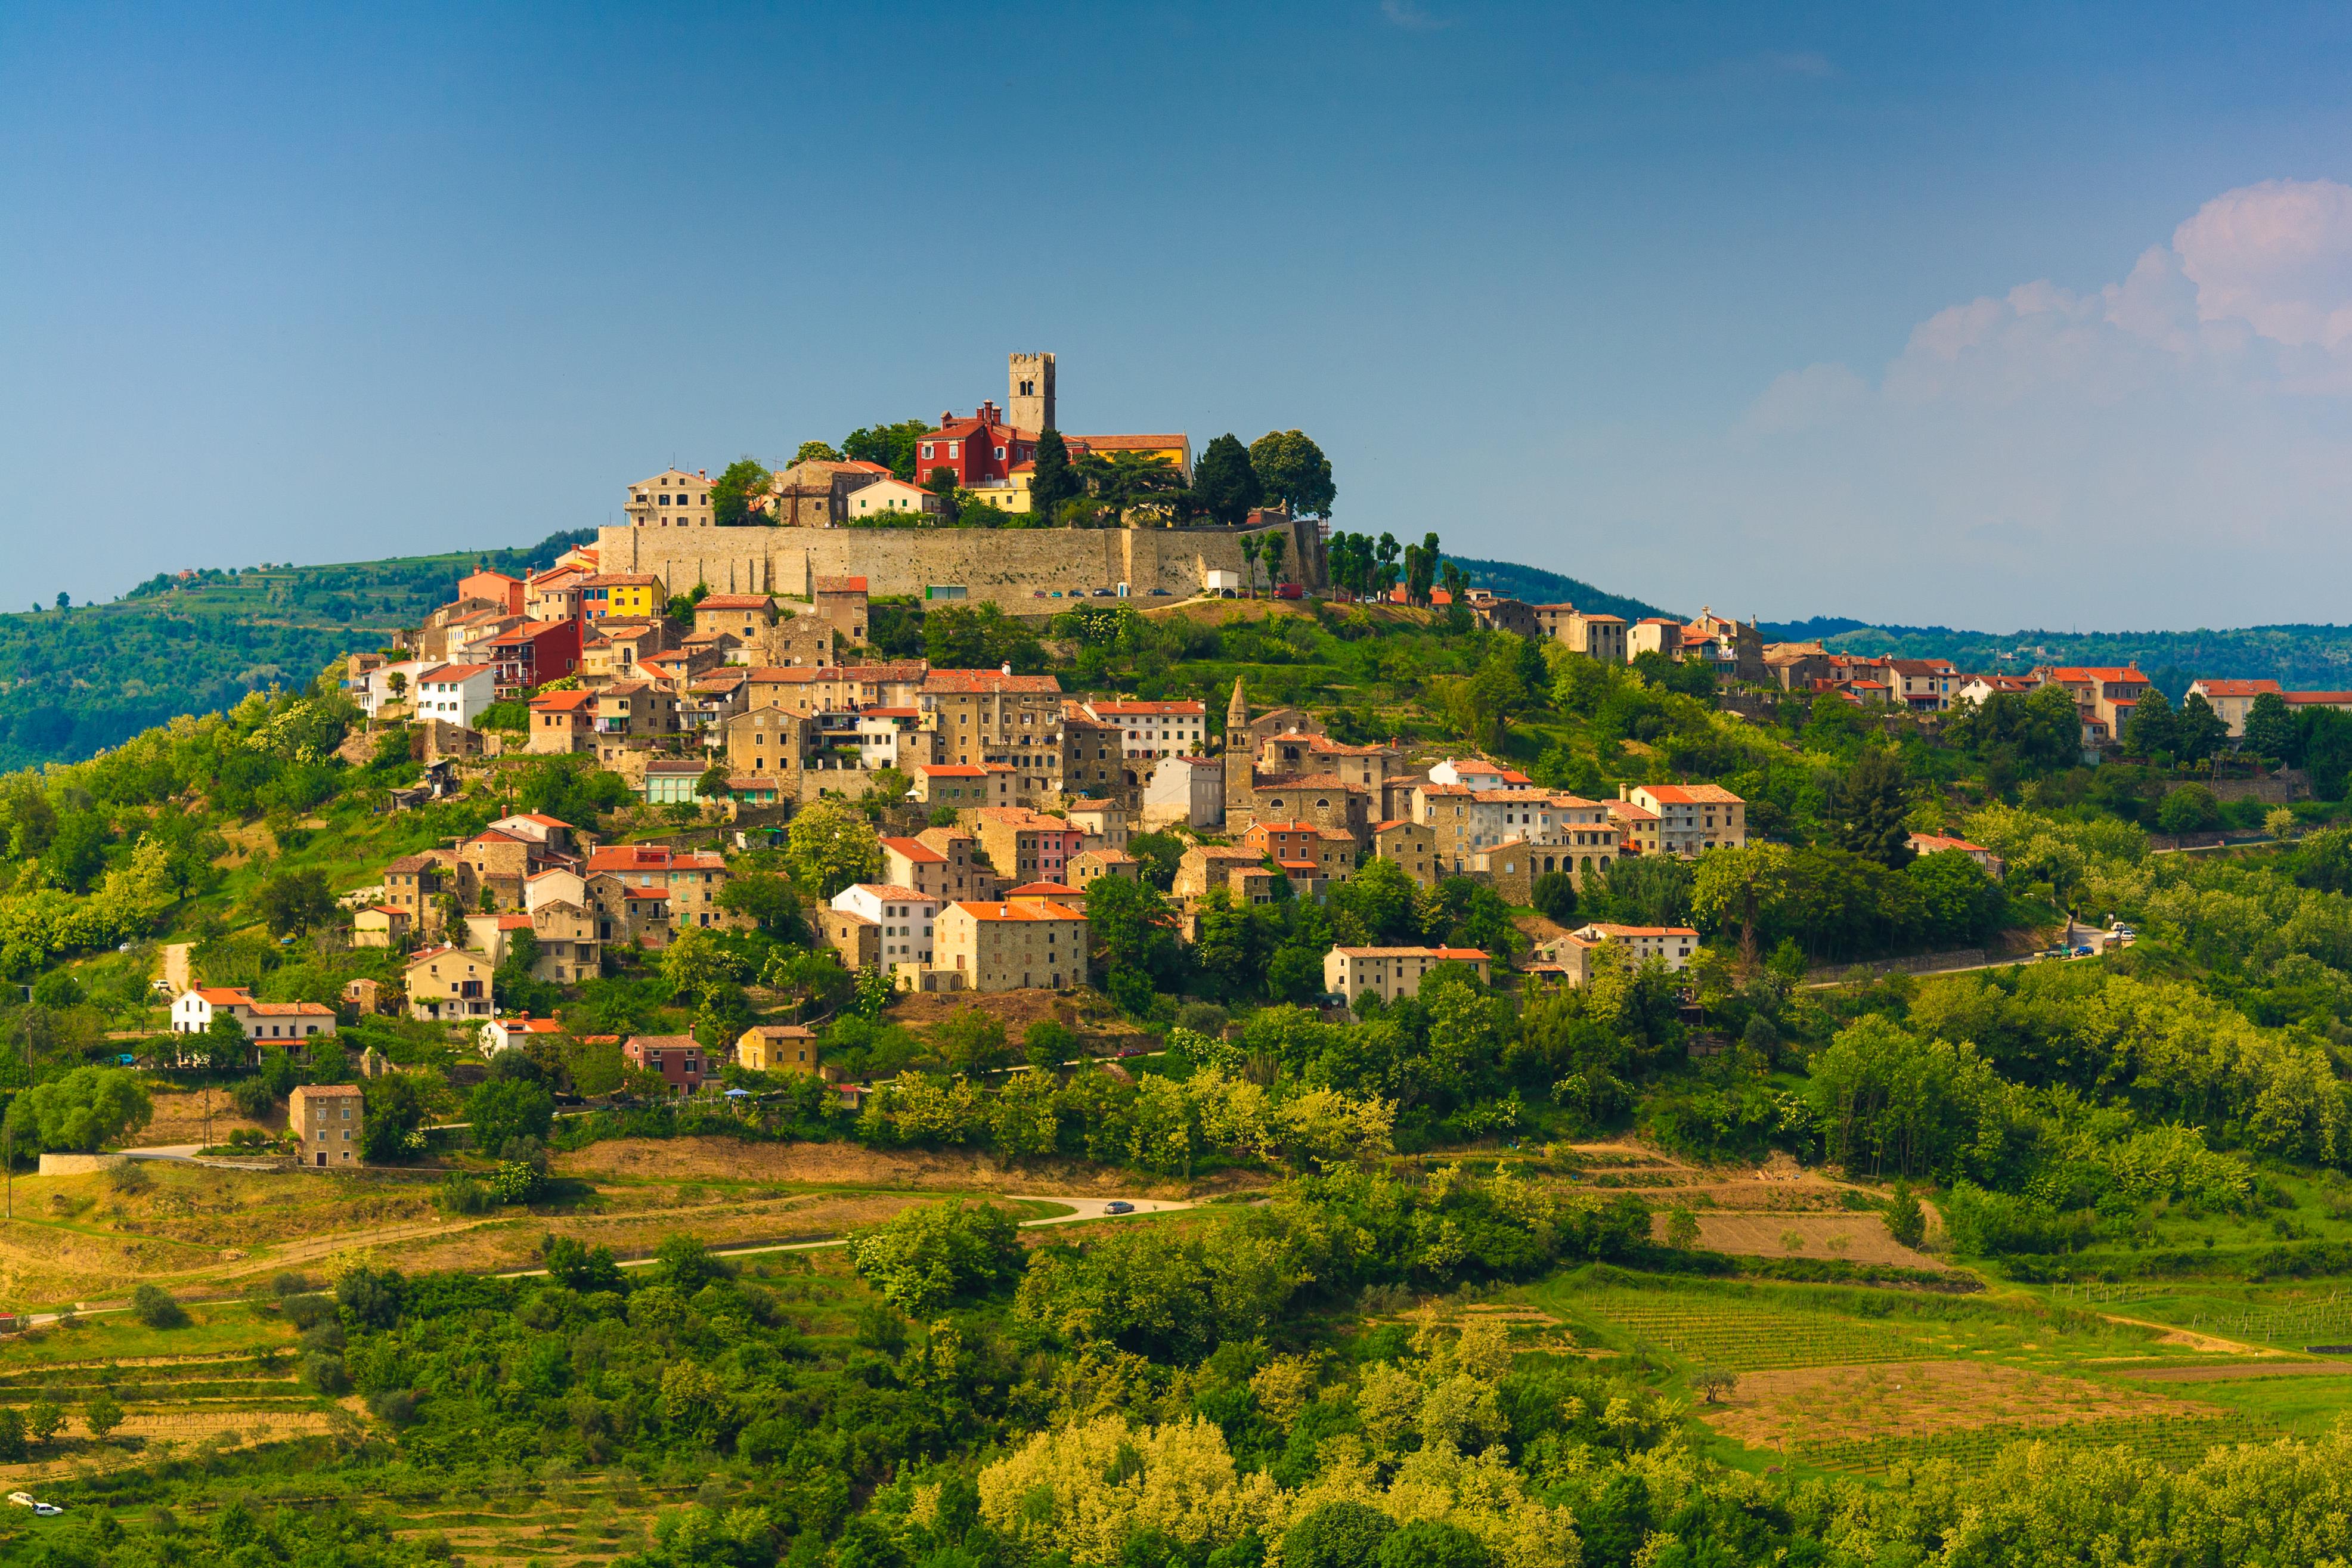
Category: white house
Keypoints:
(513, 1034)
(891, 495)
(1573, 957)
(372, 688)
(904, 916)
(1154, 729)
(192, 1013)
(1188, 790)
(1478, 773)
(457, 693)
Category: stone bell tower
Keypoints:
(1241, 757)
(1029, 391)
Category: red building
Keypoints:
(979, 450)
(534, 653)
(678, 1057)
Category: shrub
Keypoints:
(1554, 896)
(252, 1097)
(463, 1195)
(1906, 1222)
(1338, 1535)
(325, 1372)
(925, 1257)
(155, 1308)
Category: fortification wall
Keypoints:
(1008, 565)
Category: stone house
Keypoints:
(331, 1120)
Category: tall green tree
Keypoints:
(1052, 480)
(817, 452)
(2197, 730)
(2270, 727)
(1872, 809)
(1295, 472)
(829, 845)
(1225, 483)
(2149, 732)
(892, 446)
(742, 482)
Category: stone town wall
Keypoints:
(1008, 565)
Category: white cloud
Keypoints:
(2174, 449)
(1409, 16)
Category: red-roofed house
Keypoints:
(1692, 818)
(563, 722)
(1012, 946)
(278, 1023)
(534, 653)
(457, 693)
(2233, 699)
(2106, 693)
(692, 878)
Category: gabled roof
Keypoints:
(734, 601)
(1041, 910)
(915, 849)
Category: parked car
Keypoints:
(1106, 593)
(1289, 590)
(1161, 594)
(1226, 594)
(25, 1500)
(2086, 951)
(1135, 1050)
(2052, 953)
(1118, 1206)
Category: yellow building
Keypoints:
(777, 1048)
(622, 596)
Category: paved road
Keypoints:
(1080, 1209)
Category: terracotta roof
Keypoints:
(1606, 929)
(531, 1026)
(915, 849)
(1042, 890)
(1931, 843)
(2325, 698)
(892, 891)
(451, 673)
(734, 601)
(2081, 675)
(1131, 443)
(847, 584)
(1692, 795)
(1041, 910)
(1440, 954)
(1145, 710)
(951, 769)
(952, 681)
(225, 996)
(782, 1031)
(621, 580)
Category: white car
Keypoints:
(25, 1500)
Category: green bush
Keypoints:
(154, 1306)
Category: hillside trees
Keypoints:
(81, 1111)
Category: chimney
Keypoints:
(947, 418)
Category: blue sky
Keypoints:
(2029, 315)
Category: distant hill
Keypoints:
(76, 681)
(2299, 657)
(1537, 586)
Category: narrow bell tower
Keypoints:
(1029, 391)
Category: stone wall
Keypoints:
(1008, 565)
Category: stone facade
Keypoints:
(1008, 565)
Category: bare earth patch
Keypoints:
(1847, 1237)
(854, 1165)
(1803, 1406)
(180, 1119)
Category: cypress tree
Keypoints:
(1052, 481)
(1872, 809)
